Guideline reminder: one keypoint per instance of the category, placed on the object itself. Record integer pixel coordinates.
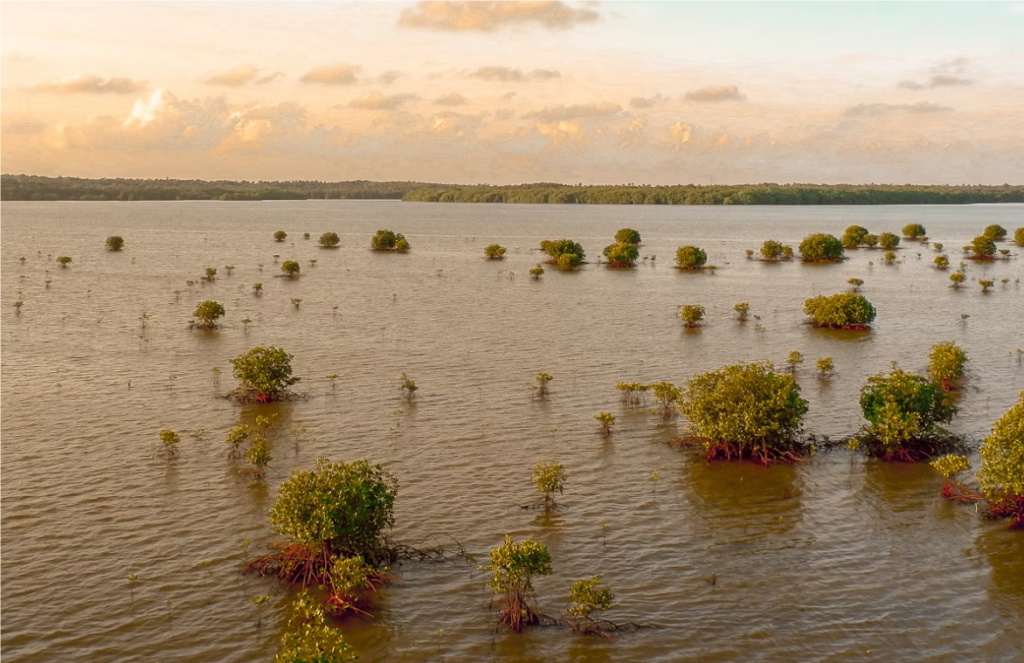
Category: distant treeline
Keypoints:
(744, 194)
(32, 187)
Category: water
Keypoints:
(819, 562)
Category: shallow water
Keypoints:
(820, 562)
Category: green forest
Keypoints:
(32, 187)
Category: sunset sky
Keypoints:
(509, 92)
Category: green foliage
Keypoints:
(627, 236)
(589, 596)
(950, 464)
(633, 393)
(494, 251)
(889, 257)
(787, 252)
(691, 314)
(856, 283)
(257, 288)
(386, 240)
(343, 508)
(170, 440)
(937, 246)
(64, 261)
(996, 232)
(258, 455)
(280, 235)
(742, 309)
(309, 638)
(794, 359)
(888, 240)
(904, 411)
(305, 235)
(666, 395)
(513, 566)
(607, 420)
(845, 310)
(1018, 236)
(946, 363)
(549, 479)
(115, 243)
(622, 254)
(854, 236)
(536, 272)
(408, 387)
(690, 257)
(914, 231)
(986, 284)
(1002, 456)
(565, 253)
(211, 273)
(745, 410)
(329, 240)
(542, 383)
(826, 367)
(208, 312)
(870, 240)
(821, 247)
(983, 247)
(771, 250)
(235, 438)
(291, 268)
(264, 373)
(957, 278)
(941, 262)
(402, 245)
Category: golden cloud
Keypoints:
(90, 84)
(715, 94)
(336, 74)
(574, 112)
(921, 108)
(378, 101)
(451, 99)
(509, 75)
(492, 16)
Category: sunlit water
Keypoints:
(824, 561)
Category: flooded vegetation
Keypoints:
(455, 454)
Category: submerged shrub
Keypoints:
(996, 232)
(771, 250)
(950, 464)
(494, 251)
(329, 240)
(208, 312)
(513, 565)
(627, 236)
(914, 231)
(386, 240)
(666, 395)
(946, 363)
(821, 247)
(607, 420)
(565, 253)
(342, 508)
(957, 278)
(690, 257)
(633, 393)
(291, 268)
(621, 254)
(264, 374)
(826, 367)
(1018, 236)
(64, 261)
(854, 236)
(170, 440)
(1002, 465)
(856, 283)
(845, 310)
(588, 597)
(742, 309)
(536, 272)
(280, 235)
(904, 411)
(870, 240)
(983, 247)
(115, 243)
(309, 638)
(692, 315)
(941, 262)
(549, 479)
(745, 411)
(888, 240)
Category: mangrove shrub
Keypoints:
(1002, 465)
(845, 310)
(888, 240)
(996, 232)
(208, 312)
(854, 236)
(1018, 236)
(291, 268)
(821, 247)
(280, 235)
(690, 257)
(264, 374)
(914, 231)
(627, 236)
(513, 565)
(771, 250)
(565, 253)
(621, 254)
(494, 251)
(745, 411)
(549, 478)
(983, 247)
(115, 243)
(386, 240)
(691, 314)
(946, 363)
(329, 240)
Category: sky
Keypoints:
(513, 92)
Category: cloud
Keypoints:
(378, 101)
(336, 74)
(574, 112)
(948, 73)
(24, 128)
(508, 75)
(504, 114)
(715, 94)
(863, 110)
(492, 16)
(451, 99)
(389, 77)
(241, 77)
(90, 84)
(647, 102)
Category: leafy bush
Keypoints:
(402, 245)
(329, 240)
(1002, 465)
(691, 314)
(957, 278)
(983, 247)
(264, 374)
(888, 240)
(870, 240)
(854, 236)
(986, 284)
(309, 638)
(494, 251)
(742, 309)
(856, 283)
(914, 231)
(549, 479)
(513, 565)
(941, 262)
(845, 310)
(745, 411)
(771, 250)
(208, 312)
(627, 236)
(536, 272)
(565, 253)
(950, 464)
(690, 257)
(826, 367)
(1018, 236)
(341, 508)
(588, 597)
(666, 395)
(821, 247)
(607, 420)
(386, 240)
(280, 235)
(291, 268)
(64, 261)
(170, 440)
(542, 383)
(996, 232)
(621, 254)
(633, 393)
(115, 243)
(904, 411)
(946, 363)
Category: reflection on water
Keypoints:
(815, 562)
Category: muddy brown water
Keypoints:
(825, 561)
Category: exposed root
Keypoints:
(954, 490)
(517, 614)
(790, 452)
(586, 625)
(438, 552)
(1008, 507)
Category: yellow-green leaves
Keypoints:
(1002, 455)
